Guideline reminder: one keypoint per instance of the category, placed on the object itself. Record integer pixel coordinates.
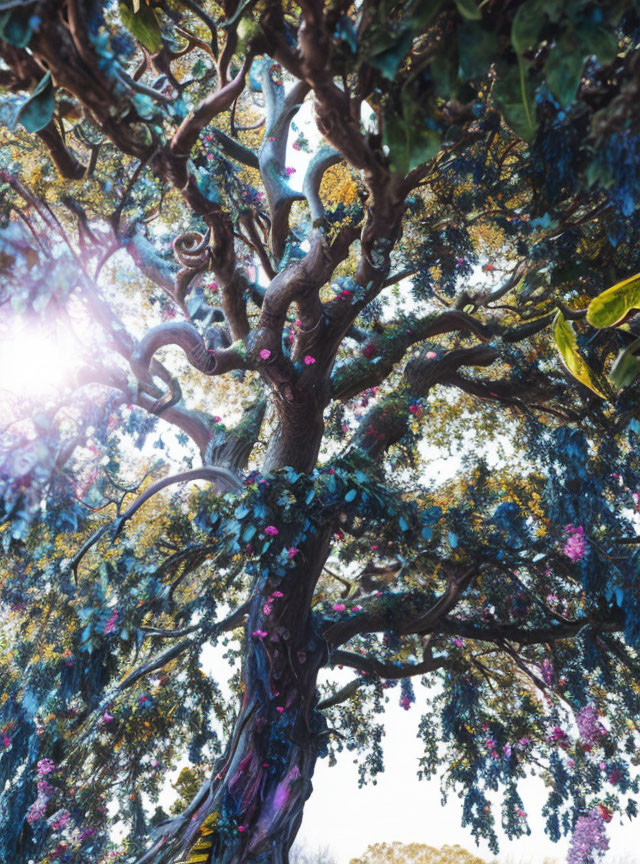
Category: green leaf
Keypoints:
(389, 59)
(37, 111)
(477, 49)
(143, 26)
(468, 9)
(15, 28)
(597, 40)
(565, 340)
(526, 26)
(613, 305)
(514, 93)
(626, 366)
(563, 70)
(409, 141)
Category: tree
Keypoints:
(416, 853)
(470, 188)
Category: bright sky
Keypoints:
(399, 807)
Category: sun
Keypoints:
(36, 359)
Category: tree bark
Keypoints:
(250, 811)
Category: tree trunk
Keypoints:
(251, 808)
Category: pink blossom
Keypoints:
(309, 360)
(279, 709)
(61, 820)
(338, 607)
(431, 355)
(46, 766)
(265, 354)
(267, 608)
(111, 623)
(278, 594)
(289, 171)
(242, 828)
(271, 530)
(293, 552)
(590, 728)
(37, 809)
(106, 717)
(357, 609)
(259, 634)
(575, 546)
(217, 419)
(6, 740)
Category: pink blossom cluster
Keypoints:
(589, 840)
(46, 766)
(575, 545)
(60, 820)
(37, 809)
(590, 728)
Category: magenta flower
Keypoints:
(265, 354)
(293, 552)
(6, 741)
(37, 809)
(259, 634)
(575, 546)
(338, 607)
(46, 766)
(289, 171)
(278, 594)
(309, 360)
(357, 608)
(61, 821)
(431, 355)
(106, 717)
(271, 530)
(111, 623)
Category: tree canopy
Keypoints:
(299, 252)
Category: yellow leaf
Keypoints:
(565, 340)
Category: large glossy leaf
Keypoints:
(468, 9)
(566, 342)
(143, 26)
(610, 307)
(563, 70)
(37, 111)
(626, 366)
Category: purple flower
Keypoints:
(271, 530)
(46, 766)
(265, 354)
(589, 840)
(590, 728)
(37, 809)
(575, 546)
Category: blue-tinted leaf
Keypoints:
(37, 111)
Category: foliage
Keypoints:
(308, 314)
